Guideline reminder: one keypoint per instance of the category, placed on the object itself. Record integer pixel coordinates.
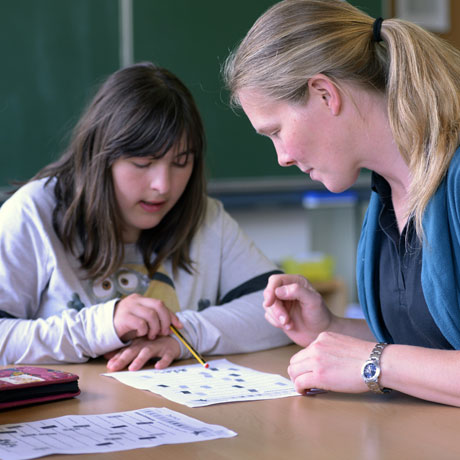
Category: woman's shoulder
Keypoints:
(453, 174)
(454, 166)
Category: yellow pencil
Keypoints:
(198, 357)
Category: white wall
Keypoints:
(277, 232)
(289, 231)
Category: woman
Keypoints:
(338, 91)
(106, 248)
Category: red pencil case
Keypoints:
(24, 385)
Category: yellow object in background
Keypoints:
(317, 267)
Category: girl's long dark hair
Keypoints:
(141, 110)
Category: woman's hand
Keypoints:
(292, 304)
(331, 362)
(140, 351)
(139, 316)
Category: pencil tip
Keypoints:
(206, 365)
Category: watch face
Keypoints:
(370, 371)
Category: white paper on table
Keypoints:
(87, 434)
(195, 386)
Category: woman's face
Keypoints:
(306, 135)
(146, 189)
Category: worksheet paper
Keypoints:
(195, 386)
(87, 434)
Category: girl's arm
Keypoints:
(238, 326)
(36, 324)
(235, 327)
(231, 274)
(71, 336)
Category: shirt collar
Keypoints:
(380, 185)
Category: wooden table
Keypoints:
(327, 426)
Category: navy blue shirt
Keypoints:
(402, 303)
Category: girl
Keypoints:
(338, 91)
(117, 240)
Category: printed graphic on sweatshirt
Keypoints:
(130, 279)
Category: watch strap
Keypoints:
(374, 358)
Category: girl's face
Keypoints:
(307, 136)
(146, 189)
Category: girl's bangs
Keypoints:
(153, 136)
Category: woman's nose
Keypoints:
(284, 158)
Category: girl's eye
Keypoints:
(182, 159)
(141, 164)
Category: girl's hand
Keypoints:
(292, 304)
(140, 351)
(332, 362)
(139, 316)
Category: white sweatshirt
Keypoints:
(50, 314)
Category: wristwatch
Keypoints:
(371, 369)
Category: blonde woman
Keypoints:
(337, 91)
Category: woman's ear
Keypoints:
(321, 86)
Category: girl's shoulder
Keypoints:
(36, 195)
(214, 208)
(217, 222)
(216, 214)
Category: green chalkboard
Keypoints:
(373, 7)
(192, 38)
(53, 53)
(56, 52)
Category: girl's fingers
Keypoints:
(141, 359)
(158, 317)
(121, 359)
(108, 356)
(160, 322)
(165, 361)
(176, 321)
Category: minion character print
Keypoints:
(130, 279)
